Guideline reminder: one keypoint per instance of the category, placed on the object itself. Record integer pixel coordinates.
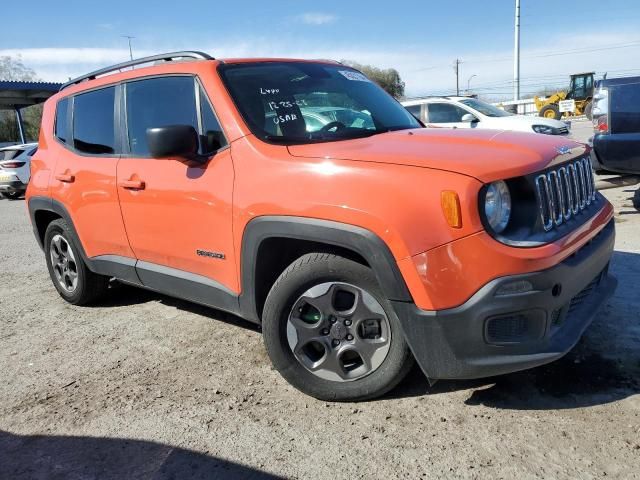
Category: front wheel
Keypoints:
(330, 331)
(551, 111)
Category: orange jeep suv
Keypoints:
(300, 196)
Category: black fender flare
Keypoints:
(360, 240)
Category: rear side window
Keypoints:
(61, 120)
(158, 102)
(414, 110)
(93, 122)
(445, 113)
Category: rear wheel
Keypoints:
(330, 331)
(551, 111)
(71, 277)
(12, 195)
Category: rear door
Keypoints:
(86, 151)
(446, 115)
(178, 218)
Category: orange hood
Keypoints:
(483, 154)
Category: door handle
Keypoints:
(132, 184)
(65, 177)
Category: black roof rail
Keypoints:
(131, 63)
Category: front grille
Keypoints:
(583, 294)
(564, 192)
(562, 131)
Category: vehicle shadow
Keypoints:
(603, 367)
(120, 295)
(62, 457)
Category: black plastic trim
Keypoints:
(451, 344)
(362, 241)
(187, 286)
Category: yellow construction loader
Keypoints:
(578, 98)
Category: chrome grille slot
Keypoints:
(564, 192)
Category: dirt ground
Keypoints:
(147, 387)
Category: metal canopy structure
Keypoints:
(16, 95)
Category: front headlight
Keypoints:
(497, 206)
(543, 129)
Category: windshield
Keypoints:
(485, 108)
(299, 102)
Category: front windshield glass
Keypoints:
(485, 108)
(299, 102)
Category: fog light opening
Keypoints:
(556, 290)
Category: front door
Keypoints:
(177, 214)
(446, 115)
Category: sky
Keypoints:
(419, 38)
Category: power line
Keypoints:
(543, 54)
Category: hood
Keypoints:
(487, 155)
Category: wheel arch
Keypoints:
(266, 238)
(44, 210)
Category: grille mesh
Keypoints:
(564, 192)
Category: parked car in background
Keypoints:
(616, 121)
(468, 112)
(15, 169)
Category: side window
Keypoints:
(211, 129)
(93, 122)
(445, 113)
(158, 102)
(414, 110)
(60, 129)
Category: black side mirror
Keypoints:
(174, 141)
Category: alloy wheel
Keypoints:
(338, 331)
(63, 263)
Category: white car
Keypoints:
(467, 112)
(15, 169)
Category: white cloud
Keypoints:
(493, 78)
(316, 18)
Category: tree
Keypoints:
(387, 78)
(13, 69)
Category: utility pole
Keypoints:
(129, 38)
(516, 56)
(456, 68)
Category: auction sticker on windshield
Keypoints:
(356, 76)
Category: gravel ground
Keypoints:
(145, 386)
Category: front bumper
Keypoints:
(495, 334)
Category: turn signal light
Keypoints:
(451, 208)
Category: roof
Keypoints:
(21, 94)
(610, 82)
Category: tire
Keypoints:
(77, 284)
(12, 195)
(588, 110)
(550, 111)
(357, 375)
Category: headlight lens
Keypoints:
(543, 129)
(497, 206)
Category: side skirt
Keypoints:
(169, 281)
